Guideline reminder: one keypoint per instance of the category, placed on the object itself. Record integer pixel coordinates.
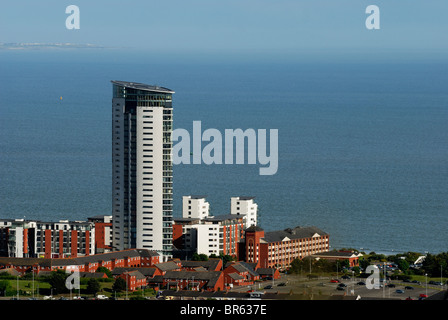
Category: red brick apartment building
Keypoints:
(240, 274)
(351, 257)
(22, 238)
(63, 239)
(103, 233)
(134, 280)
(112, 260)
(278, 249)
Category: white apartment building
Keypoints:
(199, 232)
(195, 207)
(142, 167)
(17, 238)
(245, 206)
(210, 241)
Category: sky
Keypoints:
(262, 27)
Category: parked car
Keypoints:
(391, 285)
(334, 280)
(406, 280)
(409, 288)
(361, 283)
(281, 284)
(342, 285)
(268, 287)
(399, 291)
(345, 277)
(340, 288)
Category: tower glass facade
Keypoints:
(142, 167)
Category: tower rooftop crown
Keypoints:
(142, 86)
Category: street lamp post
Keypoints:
(353, 281)
(32, 270)
(441, 271)
(426, 279)
(337, 270)
(127, 283)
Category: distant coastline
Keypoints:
(38, 45)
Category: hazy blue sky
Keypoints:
(234, 26)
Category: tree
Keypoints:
(364, 263)
(93, 286)
(104, 270)
(57, 281)
(199, 257)
(345, 263)
(119, 285)
(4, 286)
(226, 258)
(403, 265)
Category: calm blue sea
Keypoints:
(363, 146)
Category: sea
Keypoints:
(362, 145)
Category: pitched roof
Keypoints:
(136, 273)
(338, 254)
(95, 275)
(254, 228)
(235, 276)
(210, 264)
(242, 266)
(10, 271)
(167, 266)
(295, 233)
(265, 271)
(146, 271)
(43, 262)
(47, 262)
(211, 276)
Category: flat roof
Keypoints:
(142, 86)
